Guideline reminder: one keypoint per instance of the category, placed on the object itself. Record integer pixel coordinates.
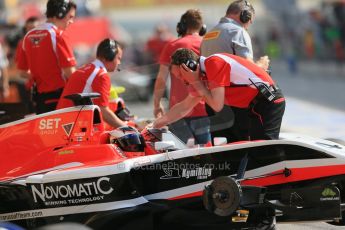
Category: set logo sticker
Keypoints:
(70, 194)
(49, 126)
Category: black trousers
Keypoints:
(266, 118)
(261, 121)
(47, 101)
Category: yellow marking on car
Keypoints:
(64, 152)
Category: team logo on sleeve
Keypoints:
(36, 39)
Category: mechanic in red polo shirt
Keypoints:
(196, 123)
(226, 79)
(48, 59)
(93, 77)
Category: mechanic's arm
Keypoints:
(111, 118)
(177, 112)
(68, 71)
(159, 89)
(213, 97)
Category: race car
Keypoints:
(64, 166)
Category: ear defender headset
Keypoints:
(246, 15)
(203, 30)
(181, 28)
(110, 50)
(191, 64)
(63, 9)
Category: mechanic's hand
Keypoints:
(263, 62)
(148, 126)
(142, 123)
(158, 111)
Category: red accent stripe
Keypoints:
(298, 174)
(258, 115)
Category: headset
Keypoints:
(181, 28)
(246, 15)
(110, 50)
(191, 64)
(203, 30)
(63, 8)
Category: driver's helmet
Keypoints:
(128, 139)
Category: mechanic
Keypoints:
(47, 58)
(93, 77)
(195, 124)
(30, 23)
(154, 47)
(230, 36)
(226, 79)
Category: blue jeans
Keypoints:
(192, 127)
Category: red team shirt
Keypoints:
(45, 52)
(92, 77)
(225, 70)
(179, 90)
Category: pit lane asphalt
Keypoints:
(315, 98)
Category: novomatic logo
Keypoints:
(75, 190)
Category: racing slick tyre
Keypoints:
(222, 197)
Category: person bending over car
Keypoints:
(227, 80)
(94, 77)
